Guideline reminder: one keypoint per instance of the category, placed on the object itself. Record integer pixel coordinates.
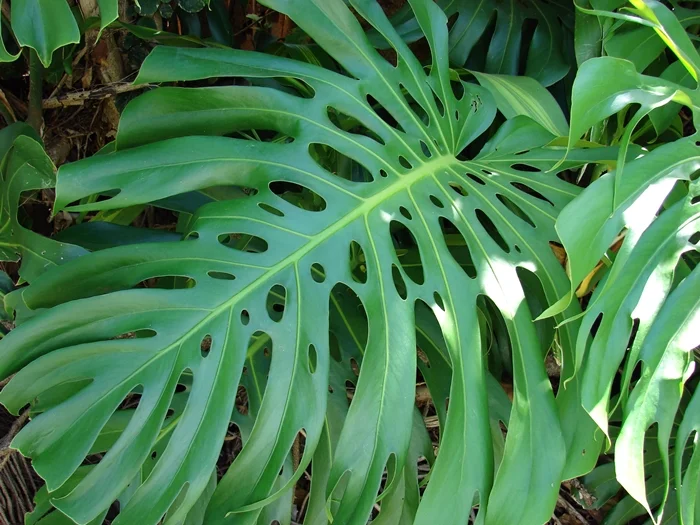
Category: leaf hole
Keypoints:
(245, 317)
(168, 282)
(425, 150)
(313, 359)
(438, 301)
(383, 114)
(358, 263)
(205, 345)
(515, 209)
(405, 213)
(457, 88)
(404, 162)
(438, 103)
(221, 276)
(137, 334)
(491, 229)
(350, 124)
(318, 272)
(457, 246)
(340, 165)
(383, 174)
(417, 109)
(526, 167)
(276, 301)
(476, 179)
(270, 209)
(529, 191)
(436, 202)
(459, 190)
(298, 195)
(243, 242)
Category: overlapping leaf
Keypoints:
(47, 25)
(265, 266)
(491, 36)
(26, 168)
(644, 314)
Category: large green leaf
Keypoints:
(489, 35)
(47, 25)
(26, 168)
(265, 266)
(44, 25)
(644, 313)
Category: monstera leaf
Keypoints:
(426, 218)
(25, 168)
(47, 25)
(491, 36)
(644, 315)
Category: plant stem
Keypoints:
(36, 73)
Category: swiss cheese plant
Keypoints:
(334, 221)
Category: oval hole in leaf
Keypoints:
(318, 272)
(492, 230)
(205, 345)
(168, 282)
(525, 167)
(349, 391)
(458, 189)
(438, 301)
(358, 263)
(136, 334)
(245, 317)
(243, 242)
(457, 246)
(437, 202)
(270, 209)
(350, 124)
(438, 103)
(338, 164)
(383, 114)
(476, 179)
(515, 209)
(415, 106)
(529, 191)
(405, 213)
(313, 359)
(221, 276)
(424, 148)
(404, 162)
(298, 195)
(457, 88)
(276, 301)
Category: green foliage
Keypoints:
(336, 212)
(48, 25)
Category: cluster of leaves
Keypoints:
(336, 212)
(48, 26)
